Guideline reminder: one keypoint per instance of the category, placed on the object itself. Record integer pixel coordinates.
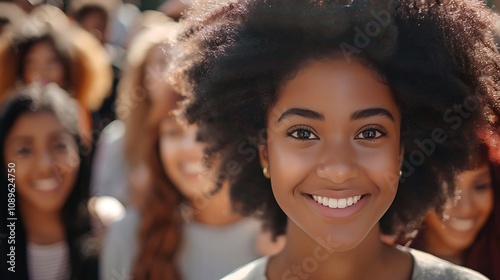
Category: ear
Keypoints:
(401, 157)
(263, 156)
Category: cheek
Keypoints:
(288, 167)
(485, 202)
(165, 153)
(69, 172)
(29, 75)
(168, 156)
(57, 75)
(23, 171)
(382, 166)
(434, 224)
(67, 162)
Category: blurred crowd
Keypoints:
(109, 181)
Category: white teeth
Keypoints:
(460, 224)
(333, 203)
(350, 201)
(325, 201)
(336, 203)
(342, 203)
(193, 168)
(46, 184)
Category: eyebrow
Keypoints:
(306, 113)
(361, 114)
(19, 139)
(371, 112)
(486, 175)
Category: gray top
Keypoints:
(207, 253)
(426, 267)
(109, 176)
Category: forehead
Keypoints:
(36, 125)
(481, 172)
(43, 44)
(334, 86)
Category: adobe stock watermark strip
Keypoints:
(11, 217)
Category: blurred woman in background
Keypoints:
(182, 228)
(41, 142)
(46, 48)
(119, 163)
(467, 233)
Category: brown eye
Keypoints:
(371, 134)
(24, 151)
(302, 134)
(60, 146)
(482, 187)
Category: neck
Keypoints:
(305, 258)
(439, 249)
(42, 227)
(215, 210)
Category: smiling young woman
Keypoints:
(54, 235)
(350, 114)
(467, 231)
(320, 104)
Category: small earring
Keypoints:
(265, 171)
(400, 173)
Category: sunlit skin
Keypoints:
(335, 132)
(43, 65)
(182, 158)
(47, 163)
(449, 235)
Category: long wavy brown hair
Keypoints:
(159, 233)
(133, 101)
(160, 227)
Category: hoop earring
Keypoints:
(265, 171)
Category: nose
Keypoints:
(190, 144)
(464, 203)
(45, 165)
(338, 164)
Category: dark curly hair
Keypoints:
(436, 56)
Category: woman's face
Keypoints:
(43, 65)
(465, 215)
(46, 159)
(182, 159)
(333, 151)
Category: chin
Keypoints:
(339, 245)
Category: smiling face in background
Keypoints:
(333, 151)
(46, 158)
(465, 215)
(182, 159)
(43, 65)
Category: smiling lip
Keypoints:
(193, 171)
(337, 207)
(461, 225)
(46, 185)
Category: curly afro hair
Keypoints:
(438, 58)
